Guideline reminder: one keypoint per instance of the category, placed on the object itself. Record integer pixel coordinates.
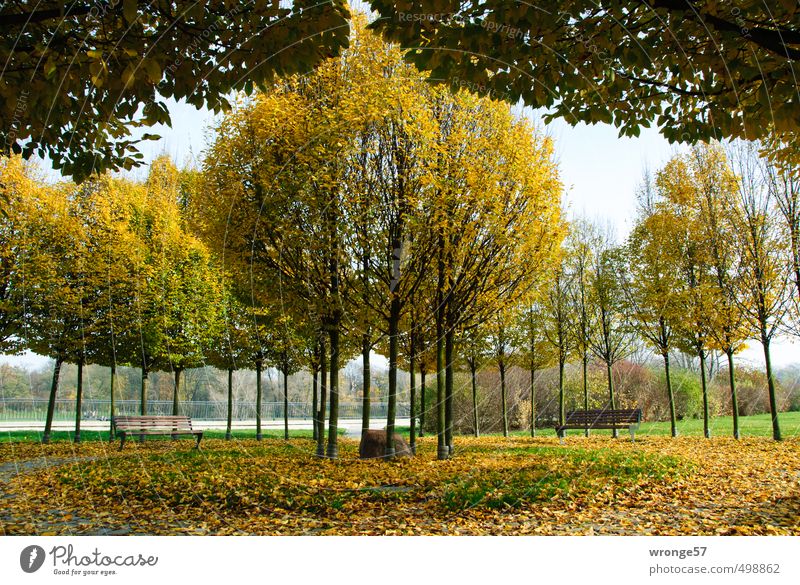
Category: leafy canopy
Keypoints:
(698, 69)
(79, 78)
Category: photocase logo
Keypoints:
(31, 558)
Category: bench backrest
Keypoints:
(155, 423)
(607, 416)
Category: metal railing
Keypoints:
(35, 409)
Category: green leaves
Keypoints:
(621, 59)
(106, 86)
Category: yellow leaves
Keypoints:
(599, 486)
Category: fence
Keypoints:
(35, 409)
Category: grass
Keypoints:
(758, 425)
(89, 436)
(541, 481)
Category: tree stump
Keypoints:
(373, 445)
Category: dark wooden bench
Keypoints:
(154, 425)
(602, 419)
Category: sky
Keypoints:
(599, 170)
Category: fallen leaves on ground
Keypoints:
(491, 486)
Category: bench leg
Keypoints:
(122, 440)
(633, 434)
(197, 445)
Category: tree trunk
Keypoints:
(773, 403)
(113, 412)
(323, 386)
(259, 365)
(673, 423)
(78, 399)
(503, 402)
(286, 404)
(586, 387)
(51, 403)
(422, 373)
(611, 398)
(366, 377)
(175, 394)
(143, 396)
(734, 398)
(448, 386)
(442, 451)
(391, 411)
(230, 405)
(144, 389)
(412, 358)
(333, 427)
(561, 413)
(533, 401)
(703, 385)
(314, 405)
(474, 374)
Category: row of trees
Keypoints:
(105, 273)
(108, 272)
(360, 209)
(352, 210)
(711, 263)
(376, 210)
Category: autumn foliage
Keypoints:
(494, 486)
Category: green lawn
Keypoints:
(759, 425)
(57, 436)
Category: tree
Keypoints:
(611, 336)
(233, 349)
(698, 69)
(386, 175)
(347, 167)
(116, 262)
(55, 257)
(475, 349)
(715, 188)
(191, 307)
(283, 151)
(78, 79)
(284, 350)
(783, 182)
(583, 242)
(98, 207)
(535, 349)
(498, 222)
(503, 342)
(18, 182)
(557, 333)
(175, 290)
(764, 263)
(696, 293)
(652, 281)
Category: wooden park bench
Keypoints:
(154, 425)
(602, 419)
